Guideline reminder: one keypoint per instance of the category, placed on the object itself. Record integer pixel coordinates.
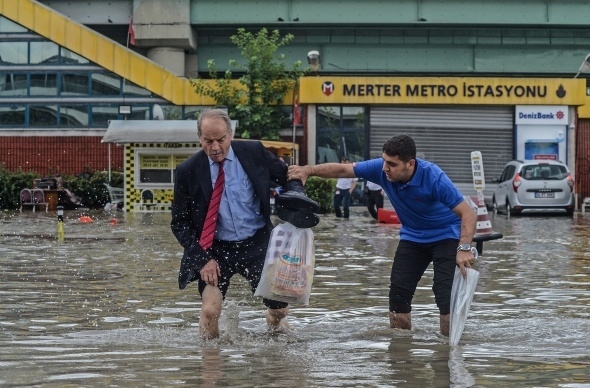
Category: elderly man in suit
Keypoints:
(221, 216)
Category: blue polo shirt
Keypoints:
(424, 204)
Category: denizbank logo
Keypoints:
(541, 115)
(442, 90)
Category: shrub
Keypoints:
(321, 190)
(88, 186)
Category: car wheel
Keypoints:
(494, 205)
(509, 210)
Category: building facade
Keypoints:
(455, 75)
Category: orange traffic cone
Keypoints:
(484, 225)
(483, 229)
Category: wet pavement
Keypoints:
(103, 308)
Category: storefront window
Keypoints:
(10, 26)
(74, 84)
(43, 116)
(73, 116)
(12, 85)
(340, 132)
(14, 53)
(157, 168)
(44, 53)
(70, 58)
(101, 114)
(43, 84)
(12, 115)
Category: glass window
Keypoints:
(340, 132)
(43, 84)
(12, 84)
(75, 84)
(70, 58)
(46, 53)
(101, 114)
(131, 89)
(14, 53)
(157, 167)
(105, 84)
(12, 115)
(10, 26)
(43, 116)
(73, 115)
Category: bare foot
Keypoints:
(277, 320)
(400, 320)
(445, 324)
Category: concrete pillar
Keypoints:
(171, 58)
(163, 27)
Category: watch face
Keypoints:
(464, 247)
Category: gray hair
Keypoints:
(213, 113)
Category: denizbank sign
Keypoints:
(447, 90)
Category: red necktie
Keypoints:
(208, 232)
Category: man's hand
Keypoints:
(464, 260)
(299, 172)
(210, 272)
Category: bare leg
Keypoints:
(445, 323)
(277, 319)
(400, 320)
(210, 312)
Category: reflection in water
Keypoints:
(103, 308)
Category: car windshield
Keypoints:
(543, 172)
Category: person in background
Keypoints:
(224, 227)
(374, 198)
(437, 223)
(344, 188)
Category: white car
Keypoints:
(534, 186)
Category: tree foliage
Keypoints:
(256, 102)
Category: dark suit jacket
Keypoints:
(192, 193)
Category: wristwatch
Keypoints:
(464, 247)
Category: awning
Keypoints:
(176, 131)
(153, 131)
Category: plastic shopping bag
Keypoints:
(287, 274)
(461, 298)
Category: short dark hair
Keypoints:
(213, 113)
(402, 146)
(344, 159)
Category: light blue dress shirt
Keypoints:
(239, 211)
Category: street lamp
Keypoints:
(585, 66)
(313, 59)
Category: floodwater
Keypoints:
(103, 308)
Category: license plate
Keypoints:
(544, 195)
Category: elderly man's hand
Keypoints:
(210, 272)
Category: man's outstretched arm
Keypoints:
(326, 170)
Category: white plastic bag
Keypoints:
(461, 297)
(288, 268)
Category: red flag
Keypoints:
(131, 33)
(296, 112)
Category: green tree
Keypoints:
(256, 102)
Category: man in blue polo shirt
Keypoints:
(437, 224)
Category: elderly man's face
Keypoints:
(215, 138)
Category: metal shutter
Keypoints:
(446, 135)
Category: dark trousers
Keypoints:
(342, 198)
(410, 261)
(374, 202)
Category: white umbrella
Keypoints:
(461, 297)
